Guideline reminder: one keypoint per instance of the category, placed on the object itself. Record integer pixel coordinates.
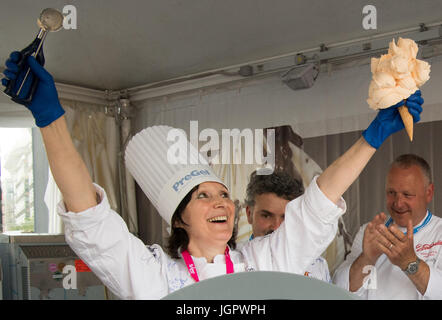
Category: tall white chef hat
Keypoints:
(166, 167)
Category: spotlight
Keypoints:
(301, 76)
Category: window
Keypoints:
(17, 180)
(29, 195)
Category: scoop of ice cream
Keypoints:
(404, 47)
(396, 75)
(421, 72)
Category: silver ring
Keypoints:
(391, 246)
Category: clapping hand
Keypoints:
(397, 246)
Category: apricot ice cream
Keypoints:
(396, 76)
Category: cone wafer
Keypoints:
(407, 118)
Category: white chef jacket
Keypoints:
(131, 270)
(390, 281)
(318, 269)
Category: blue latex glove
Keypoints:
(389, 121)
(45, 106)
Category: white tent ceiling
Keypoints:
(122, 44)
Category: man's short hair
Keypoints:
(407, 160)
(279, 183)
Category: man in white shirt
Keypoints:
(266, 199)
(400, 258)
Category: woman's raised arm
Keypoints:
(336, 179)
(69, 170)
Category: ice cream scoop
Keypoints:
(396, 76)
(50, 20)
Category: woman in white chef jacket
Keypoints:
(202, 224)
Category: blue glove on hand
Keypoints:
(389, 121)
(45, 106)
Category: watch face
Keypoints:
(412, 268)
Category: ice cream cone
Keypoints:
(407, 118)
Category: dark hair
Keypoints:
(179, 239)
(407, 160)
(279, 182)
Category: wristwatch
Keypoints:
(412, 267)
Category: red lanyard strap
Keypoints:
(191, 265)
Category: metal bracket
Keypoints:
(119, 105)
(323, 47)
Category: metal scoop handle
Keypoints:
(34, 49)
(41, 35)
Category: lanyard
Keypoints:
(191, 265)
(415, 229)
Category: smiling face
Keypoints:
(209, 216)
(408, 193)
(267, 214)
